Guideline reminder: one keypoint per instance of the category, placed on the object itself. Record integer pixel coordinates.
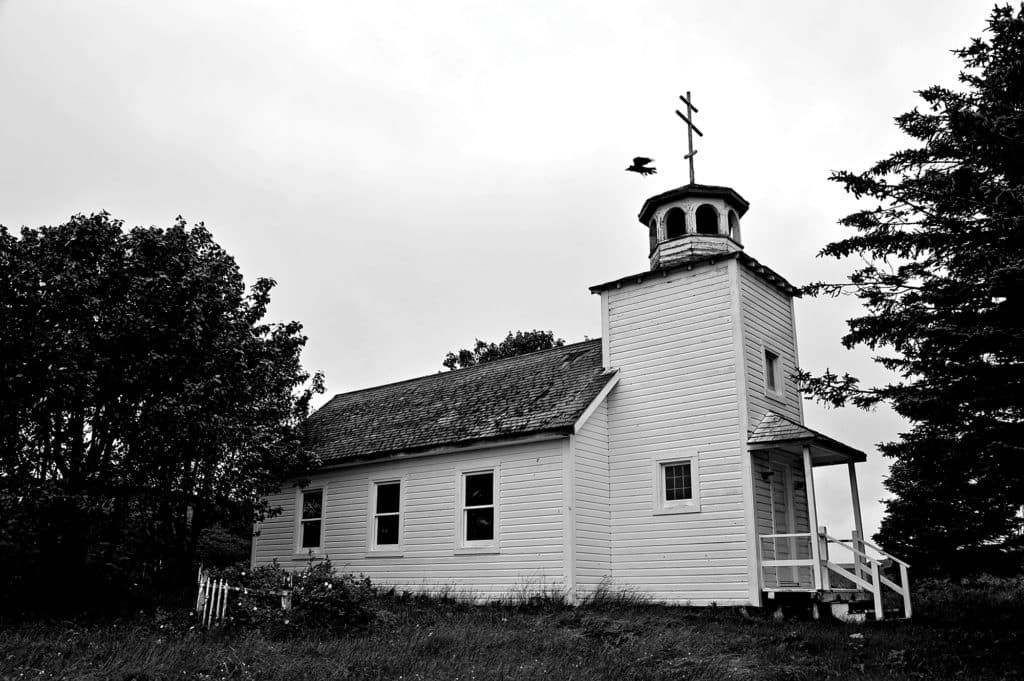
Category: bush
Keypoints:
(221, 546)
(983, 601)
(321, 600)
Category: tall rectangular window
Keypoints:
(387, 518)
(478, 507)
(772, 373)
(312, 520)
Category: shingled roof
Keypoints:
(545, 391)
(775, 430)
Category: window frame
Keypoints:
(779, 392)
(372, 547)
(300, 493)
(463, 545)
(662, 506)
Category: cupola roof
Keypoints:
(695, 191)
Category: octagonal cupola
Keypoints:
(692, 222)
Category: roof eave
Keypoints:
(697, 190)
(449, 447)
(757, 268)
(840, 450)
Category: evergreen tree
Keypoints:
(943, 287)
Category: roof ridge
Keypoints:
(472, 369)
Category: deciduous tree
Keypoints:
(518, 343)
(144, 395)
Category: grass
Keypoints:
(973, 631)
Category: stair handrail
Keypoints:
(885, 553)
(877, 580)
(846, 544)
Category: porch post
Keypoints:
(812, 516)
(858, 523)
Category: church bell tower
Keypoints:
(692, 222)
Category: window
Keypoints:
(772, 374)
(734, 226)
(387, 518)
(676, 488)
(312, 519)
(478, 516)
(653, 231)
(678, 481)
(707, 219)
(675, 223)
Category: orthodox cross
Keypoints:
(690, 128)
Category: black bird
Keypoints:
(640, 165)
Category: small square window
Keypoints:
(678, 481)
(312, 519)
(772, 373)
(676, 486)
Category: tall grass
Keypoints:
(611, 637)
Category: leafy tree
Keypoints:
(518, 343)
(942, 280)
(143, 397)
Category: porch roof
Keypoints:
(778, 432)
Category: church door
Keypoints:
(783, 520)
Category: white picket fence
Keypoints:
(212, 600)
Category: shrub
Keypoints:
(321, 599)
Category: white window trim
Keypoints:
(663, 507)
(372, 547)
(462, 545)
(301, 552)
(780, 374)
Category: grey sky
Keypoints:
(416, 175)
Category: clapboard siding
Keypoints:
(532, 556)
(767, 316)
(593, 550)
(672, 339)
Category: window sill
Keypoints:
(477, 550)
(315, 554)
(385, 553)
(677, 511)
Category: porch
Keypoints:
(796, 554)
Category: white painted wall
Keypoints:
(593, 548)
(531, 557)
(684, 369)
(672, 339)
(768, 322)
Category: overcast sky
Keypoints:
(417, 175)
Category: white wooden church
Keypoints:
(667, 459)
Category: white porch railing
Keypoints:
(795, 562)
(787, 562)
(865, 571)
